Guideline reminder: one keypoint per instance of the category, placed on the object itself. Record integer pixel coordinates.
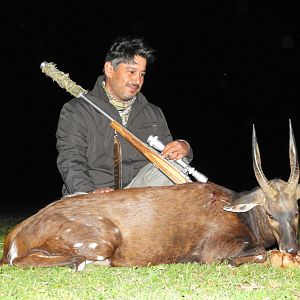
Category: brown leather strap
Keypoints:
(117, 162)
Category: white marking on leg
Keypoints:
(92, 245)
(13, 252)
(81, 266)
(106, 242)
(260, 257)
(68, 230)
(77, 245)
(102, 263)
(99, 257)
(88, 261)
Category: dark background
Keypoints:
(221, 67)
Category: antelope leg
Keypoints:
(39, 258)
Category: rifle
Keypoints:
(63, 80)
(157, 144)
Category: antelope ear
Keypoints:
(246, 201)
(240, 207)
(298, 192)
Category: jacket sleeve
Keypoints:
(71, 137)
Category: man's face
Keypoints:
(127, 80)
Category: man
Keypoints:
(85, 140)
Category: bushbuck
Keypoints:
(190, 222)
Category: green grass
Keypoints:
(181, 281)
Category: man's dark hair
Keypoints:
(124, 49)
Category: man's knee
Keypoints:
(149, 175)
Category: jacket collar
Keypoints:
(99, 97)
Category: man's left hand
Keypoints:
(176, 150)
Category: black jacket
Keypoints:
(85, 140)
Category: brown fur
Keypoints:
(134, 227)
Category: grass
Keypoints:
(181, 281)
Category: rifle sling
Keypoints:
(117, 162)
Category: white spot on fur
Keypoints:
(92, 245)
(100, 218)
(99, 257)
(87, 224)
(68, 230)
(77, 245)
(116, 230)
(13, 252)
(71, 219)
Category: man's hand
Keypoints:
(176, 150)
(102, 190)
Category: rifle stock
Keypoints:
(163, 165)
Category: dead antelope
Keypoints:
(192, 222)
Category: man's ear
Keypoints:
(108, 69)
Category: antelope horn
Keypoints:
(259, 174)
(294, 176)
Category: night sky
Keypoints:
(221, 67)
